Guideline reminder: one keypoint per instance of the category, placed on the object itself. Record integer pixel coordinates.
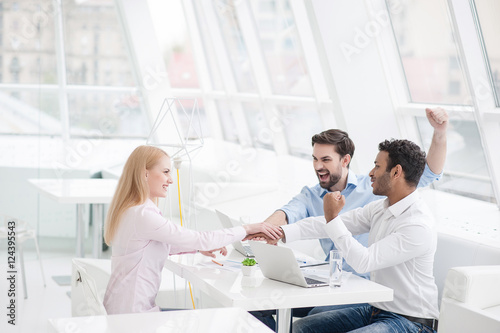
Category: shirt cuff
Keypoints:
(239, 231)
(336, 229)
(431, 175)
(291, 231)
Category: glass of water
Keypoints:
(335, 276)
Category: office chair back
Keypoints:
(89, 281)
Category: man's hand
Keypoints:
(438, 118)
(269, 230)
(436, 156)
(210, 253)
(333, 203)
(263, 237)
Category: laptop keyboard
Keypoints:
(248, 250)
(313, 281)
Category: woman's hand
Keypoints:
(263, 238)
(271, 231)
(210, 253)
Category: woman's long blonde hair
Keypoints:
(132, 188)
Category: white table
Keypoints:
(232, 289)
(81, 192)
(193, 321)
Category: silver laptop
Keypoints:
(279, 263)
(228, 222)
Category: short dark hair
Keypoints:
(340, 139)
(408, 155)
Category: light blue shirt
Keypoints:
(358, 192)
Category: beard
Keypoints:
(333, 179)
(382, 184)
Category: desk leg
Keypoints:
(283, 320)
(80, 230)
(65, 280)
(97, 217)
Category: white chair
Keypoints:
(89, 280)
(471, 300)
(22, 231)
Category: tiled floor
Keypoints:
(42, 303)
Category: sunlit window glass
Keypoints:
(106, 114)
(488, 12)
(29, 112)
(428, 51)
(94, 44)
(466, 172)
(229, 127)
(27, 48)
(172, 33)
(192, 118)
(300, 124)
(262, 135)
(208, 47)
(237, 50)
(281, 46)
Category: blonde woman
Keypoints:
(142, 239)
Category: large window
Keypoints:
(27, 42)
(235, 44)
(466, 172)
(429, 53)
(67, 71)
(488, 12)
(434, 47)
(281, 46)
(172, 34)
(94, 45)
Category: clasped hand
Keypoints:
(263, 229)
(333, 202)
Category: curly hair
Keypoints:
(408, 155)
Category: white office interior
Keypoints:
(234, 90)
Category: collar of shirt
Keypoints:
(352, 182)
(399, 207)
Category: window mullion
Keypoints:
(479, 84)
(199, 55)
(61, 70)
(227, 75)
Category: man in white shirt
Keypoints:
(400, 253)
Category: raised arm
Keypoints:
(436, 156)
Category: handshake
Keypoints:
(263, 232)
(257, 231)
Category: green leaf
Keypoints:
(248, 262)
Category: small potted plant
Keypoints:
(248, 267)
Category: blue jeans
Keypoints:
(360, 319)
(267, 316)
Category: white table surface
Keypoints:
(232, 289)
(77, 191)
(192, 321)
(259, 293)
(81, 191)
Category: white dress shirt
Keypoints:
(142, 243)
(400, 253)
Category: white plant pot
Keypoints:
(248, 270)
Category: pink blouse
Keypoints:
(142, 243)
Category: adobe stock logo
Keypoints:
(364, 36)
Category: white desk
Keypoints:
(232, 289)
(80, 192)
(192, 321)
